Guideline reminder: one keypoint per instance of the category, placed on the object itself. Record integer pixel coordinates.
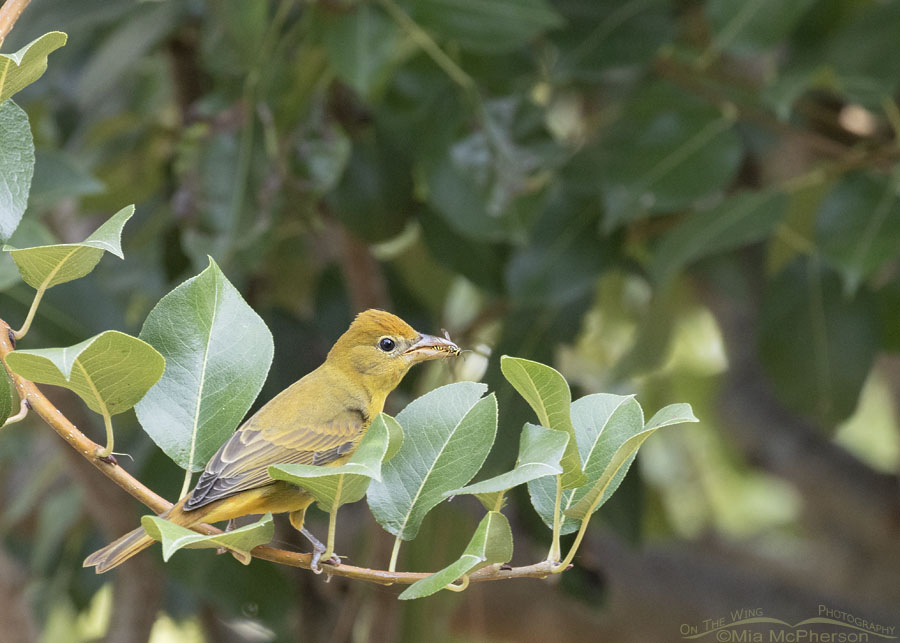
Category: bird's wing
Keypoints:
(242, 462)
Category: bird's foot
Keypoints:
(318, 550)
(231, 525)
(317, 554)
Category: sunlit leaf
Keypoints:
(547, 392)
(239, 542)
(447, 435)
(110, 371)
(491, 544)
(218, 352)
(22, 68)
(47, 266)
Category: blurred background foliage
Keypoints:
(689, 200)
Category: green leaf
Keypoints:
(492, 543)
(239, 541)
(747, 27)
(858, 226)
(489, 184)
(46, 266)
(122, 47)
(110, 371)
(616, 447)
(668, 150)
(448, 433)
(816, 344)
(856, 54)
(7, 394)
(395, 434)
(737, 221)
(602, 35)
(373, 196)
(30, 232)
(564, 257)
(16, 166)
(597, 419)
(334, 486)
(22, 68)
(547, 392)
(362, 46)
(219, 351)
(487, 27)
(540, 450)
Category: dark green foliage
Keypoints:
(490, 167)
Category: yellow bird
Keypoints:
(318, 420)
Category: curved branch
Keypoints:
(9, 13)
(89, 449)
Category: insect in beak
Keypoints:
(432, 347)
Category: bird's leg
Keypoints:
(296, 518)
(228, 527)
(318, 550)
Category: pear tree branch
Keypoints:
(53, 417)
(9, 13)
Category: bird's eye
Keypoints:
(386, 344)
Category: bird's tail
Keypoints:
(137, 540)
(118, 551)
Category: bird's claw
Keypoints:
(334, 559)
(314, 562)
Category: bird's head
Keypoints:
(381, 348)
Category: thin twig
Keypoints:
(54, 418)
(9, 13)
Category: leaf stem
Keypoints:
(574, 548)
(332, 519)
(107, 450)
(499, 504)
(394, 554)
(19, 334)
(555, 552)
(463, 584)
(428, 45)
(186, 485)
(18, 417)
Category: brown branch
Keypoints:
(54, 418)
(849, 157)
(9, 13)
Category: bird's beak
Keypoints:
(431, 347)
